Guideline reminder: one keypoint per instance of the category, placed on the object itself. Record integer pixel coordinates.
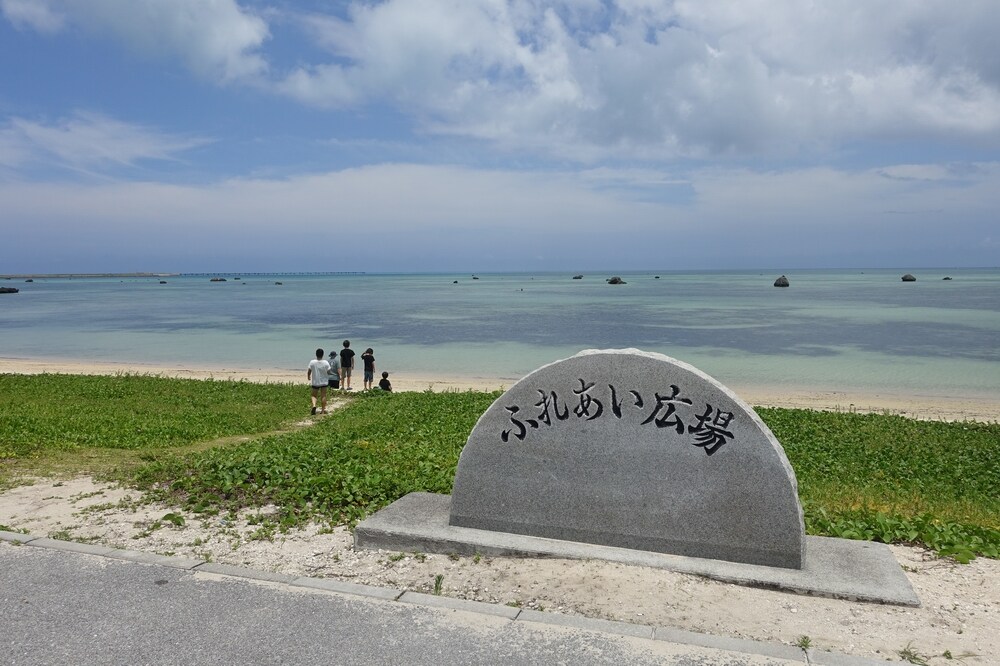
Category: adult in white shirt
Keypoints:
(318, 375)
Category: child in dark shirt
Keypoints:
(369, 358)
(346, 365)
(384, 382)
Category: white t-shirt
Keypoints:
(320, 371)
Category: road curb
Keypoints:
(624, 629)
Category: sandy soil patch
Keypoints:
(959, 617)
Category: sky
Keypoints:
(493, 135)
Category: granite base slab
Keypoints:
(837, 568)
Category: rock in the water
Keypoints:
(577, 277)
(656, 277)
(616, 280)
(8, 290)
(163, 281)
(217, 279)
(909, 278)
(279, 283)
(781, 282)
(946, 278)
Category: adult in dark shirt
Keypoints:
(346, 365)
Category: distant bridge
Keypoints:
(33, 276)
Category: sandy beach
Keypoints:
(925, 405)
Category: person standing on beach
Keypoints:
(346, 365)
(369, 359)
(318, 375)
(334, 370)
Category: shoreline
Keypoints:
(918, 406)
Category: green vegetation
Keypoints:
(892, 479)
(356, 461)
(68, 423)
(222, 446)
(910, 654)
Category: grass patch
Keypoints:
(213, 447)
(363, 457)
(896, 480)
(54, 424)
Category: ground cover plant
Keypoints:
(64, 422)
(897, 480)
(862, 476)
(359, 459)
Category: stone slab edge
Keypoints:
(71, 546)
(626, 629)
(421, 599)
(16, 537)
(243, 572)
(419, 521)
(821, 658)
(776, 650)
(355, 589)
(172, 561)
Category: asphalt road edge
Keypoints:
(757, 648)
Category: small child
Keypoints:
(369, 358)
(346, 365)
(384, 383)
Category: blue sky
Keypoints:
(479, 135)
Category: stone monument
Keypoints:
(635, 450)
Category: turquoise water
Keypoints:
(837, 330)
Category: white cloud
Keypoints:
(661, 79)
(35, 14)
(503, 218)
(590, 79)
(918, 172)
(87, 140)
(217, 39)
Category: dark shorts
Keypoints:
(333, 383)
(321, 386)
(369, 374)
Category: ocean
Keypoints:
(831, 329)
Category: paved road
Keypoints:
(59, 607)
